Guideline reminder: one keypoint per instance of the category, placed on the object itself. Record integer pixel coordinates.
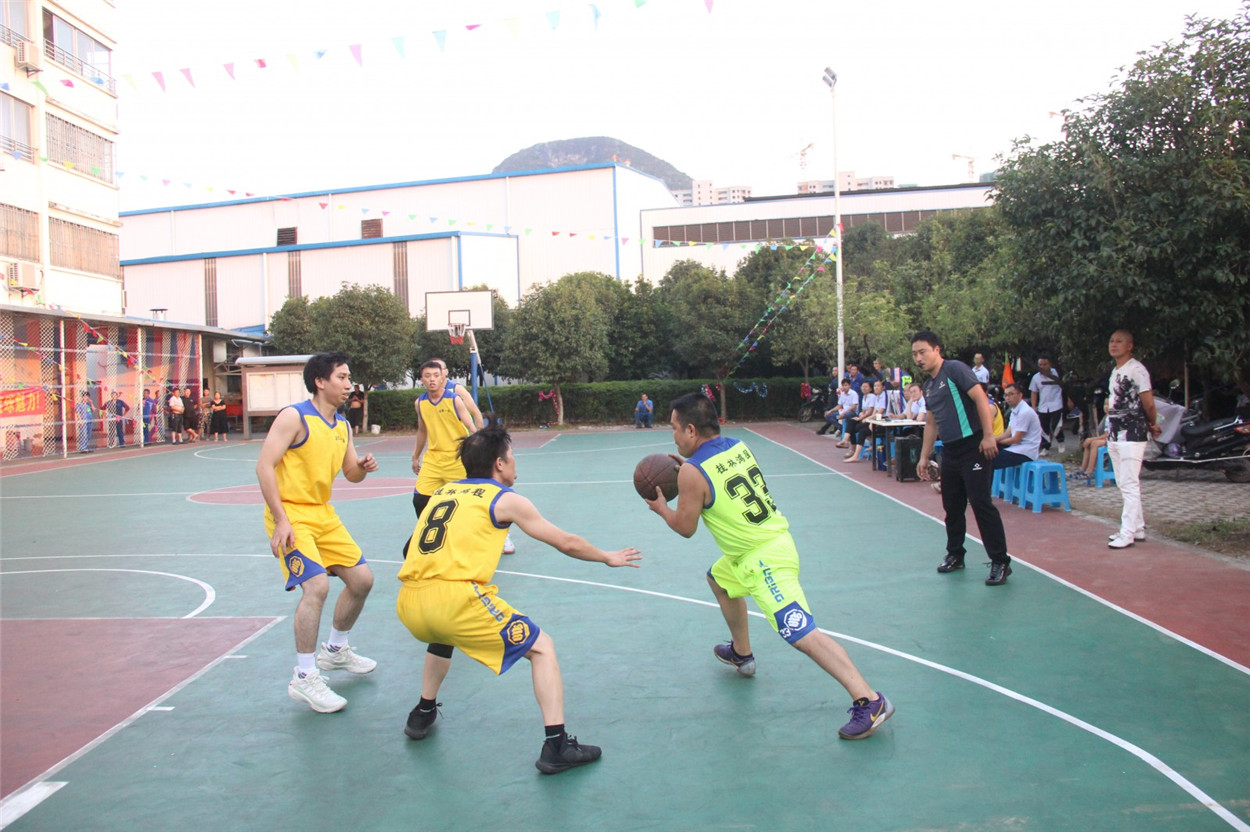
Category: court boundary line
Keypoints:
(34, 782)
(210, 594)
(1135, 750)
(1235, 665)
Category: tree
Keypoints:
(558, 334)
(372, 326)
(708, 319)
(292, 328)
(1140, 215)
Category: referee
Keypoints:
(962, 417)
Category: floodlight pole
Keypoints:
(831, 80)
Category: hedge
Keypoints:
(603, 403)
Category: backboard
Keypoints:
(473, 309)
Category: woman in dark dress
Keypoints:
(217, 424)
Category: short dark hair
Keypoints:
(321, 366)
(1013, 386)
(928, 336)
(697, 409)
(433, 363)
(478, 451)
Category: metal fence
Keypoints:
(58, 377)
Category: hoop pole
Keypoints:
(473, 362)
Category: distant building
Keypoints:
(848, 182)
(703, 192)
(58, 126)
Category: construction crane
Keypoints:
(972, 174)
(802, 154)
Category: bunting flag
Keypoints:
(187, 74)
(160, 80)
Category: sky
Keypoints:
(383, 91)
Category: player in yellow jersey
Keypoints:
(721, 482)
(447, 601)
(442, 422)
(307, 446)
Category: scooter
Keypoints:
(1186, 444)
(814, 406)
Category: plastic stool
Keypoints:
(1043, 483)
(1103, 471)
(1006, 483)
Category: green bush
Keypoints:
(603, 403)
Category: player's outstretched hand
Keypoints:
(624, 557)
(369, 463)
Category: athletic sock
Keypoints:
(738, 655)
(338, 638)
(426, 705)
(555, 734)
(307, 663)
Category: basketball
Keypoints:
(656, 471)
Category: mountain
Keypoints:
(593, 150)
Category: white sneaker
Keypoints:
(311, 688)
(1136, 536)
(344, 659)
(508, 546)
(1120, 542)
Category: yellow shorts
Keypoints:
(321, 541)
(770, 575)
(438, 469)
(469, 616)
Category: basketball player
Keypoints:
(721, 482)
(447, 600)
(442, 421)
(304, 451)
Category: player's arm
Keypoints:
(692, 496)
(512, 507)
(287, 429)
(462, 411)
(357, 468)
(926, 448)
(418, 447)
(989, 445)
(471, 407)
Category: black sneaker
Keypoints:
(951, 563)
(568, 754)
(419, 722)
(998, 574)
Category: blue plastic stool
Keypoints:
(1103, 471)
(1043, 483)
(1006, 483)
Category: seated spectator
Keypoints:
(872, 405)
(1089, 454)
(1021, 440)
(833, 416)
(848, 409)
(805, 391)
(643, 412)
(913, 403)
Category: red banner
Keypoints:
(29, 402)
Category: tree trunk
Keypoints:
(559, 402)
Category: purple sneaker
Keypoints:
(745, 664)
(866, 717)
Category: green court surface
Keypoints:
(1029, 706)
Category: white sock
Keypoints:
(307, 663)
(338, 638)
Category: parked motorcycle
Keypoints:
(814, 406)
(1187, 444)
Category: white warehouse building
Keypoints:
(233, 264)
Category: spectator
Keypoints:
(217, 420)
(191, 418)
(848, 408)
(980, 370)
(643, 412)
(1046, 397)
(356, 409)
(1089, 453)
(805, 391)
(86, 417)
(117, 410)
(1131, 421)
(176, 410)
(1019, 442)
(872, 404)
(833, 416)
(857, 378)
(913, 404)
(151, 430)
(204, 408)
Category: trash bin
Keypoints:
(906, 454)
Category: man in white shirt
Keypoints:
(1131, 421)
(1047, 399)
(1020, 441)
(979, 369)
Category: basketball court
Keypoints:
(147, 645)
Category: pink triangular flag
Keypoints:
(229, 70)
(473, 26)
(160, 80)
(186, 73)
(67, 82)
(355, 49)
(323, 204)
(260, 63)
(708, 3)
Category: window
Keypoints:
(294, 282)
(15, 128)
(12, 21)
(84, 150)
(19, 233)
(210, 291)
(288, 236)
(370, 229)
(399, 276)
(82, 248)
(78, 51)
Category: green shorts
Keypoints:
(770, 575)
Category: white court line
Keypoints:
(1014, 559)
(1137, 751)
(36, 790)
(210, 594)
(22, 801)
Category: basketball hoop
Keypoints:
(456, 333)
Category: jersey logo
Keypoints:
(295, 564)
(518, 631)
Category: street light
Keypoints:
(831, 80)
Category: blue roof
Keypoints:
(203, 255)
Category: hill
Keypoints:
(593, 150)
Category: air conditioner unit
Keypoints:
(29, 57)
(24, 275)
